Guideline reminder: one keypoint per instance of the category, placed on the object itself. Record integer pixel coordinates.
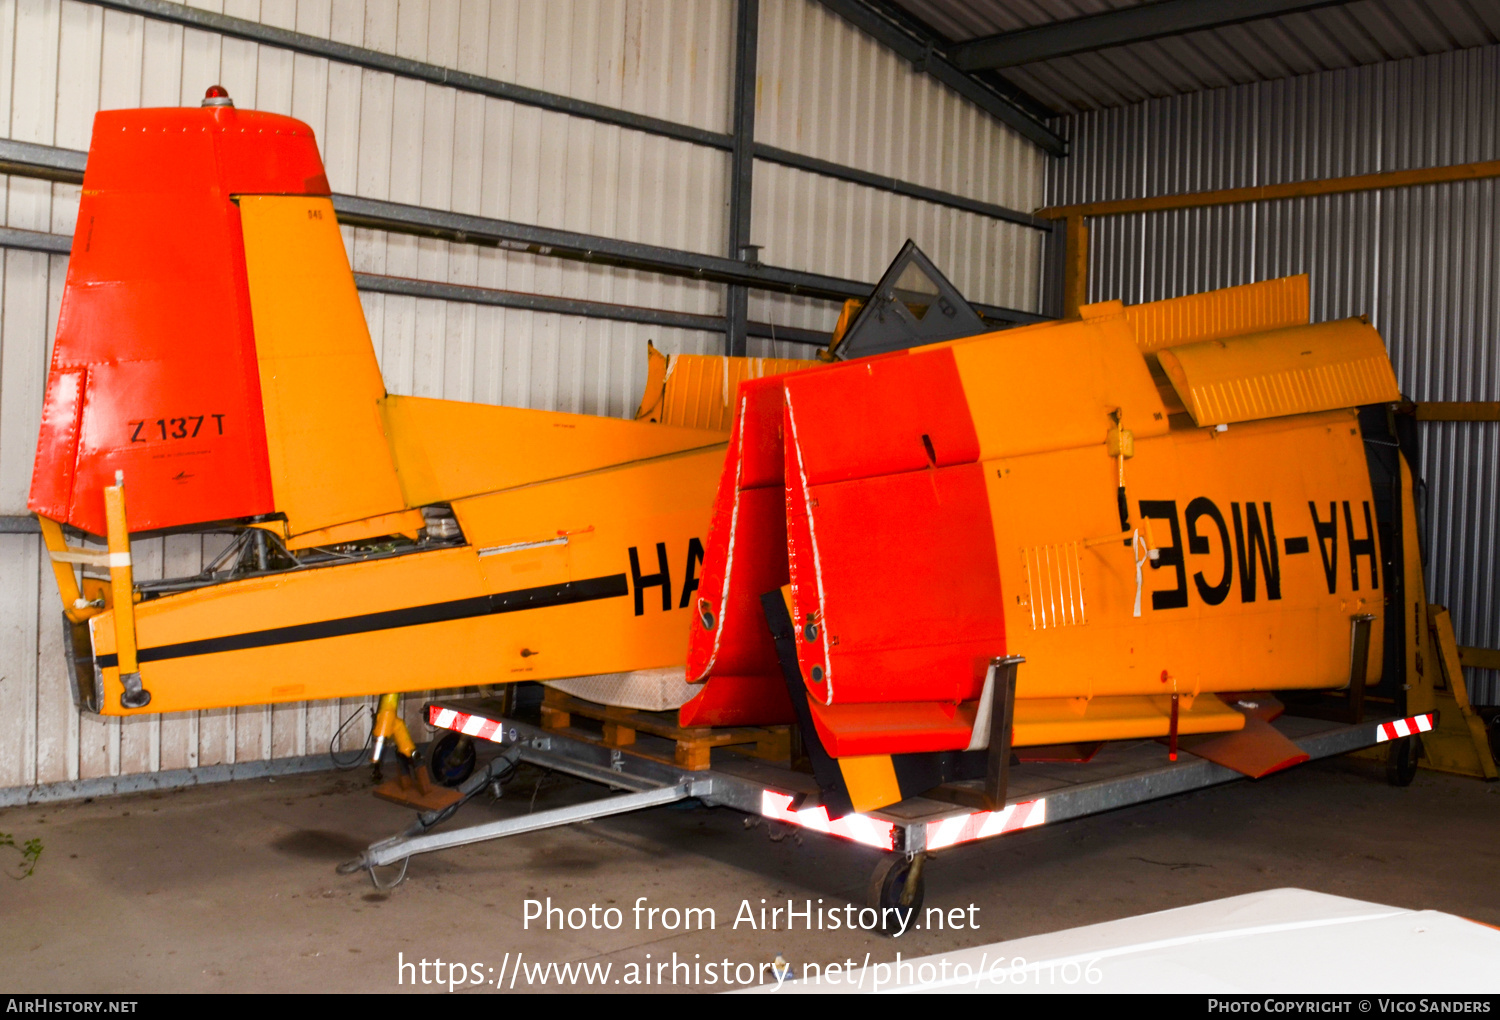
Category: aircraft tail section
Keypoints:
(329, 457)
(154, 366)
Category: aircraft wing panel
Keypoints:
(438, 446)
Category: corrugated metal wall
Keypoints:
(827, 91)
(1420, 261)
(824, 90)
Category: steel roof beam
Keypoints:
(62, 244)
(1118, 28)
(374, 60)
(311, 45)
(921, 53)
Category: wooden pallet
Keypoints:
(694, 743)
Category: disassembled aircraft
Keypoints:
(1154, 505)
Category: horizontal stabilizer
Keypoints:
(435, 444)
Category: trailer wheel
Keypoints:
(451, 759)
(1401, 761)
(888, 886)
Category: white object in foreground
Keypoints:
(1278, 941)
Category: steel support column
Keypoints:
(742, 169)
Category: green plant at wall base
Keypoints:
(30, 851)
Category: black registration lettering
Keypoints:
(661, 579)
(1251, 544)
(187, 426)
(690, 579)
(1361, 547)
(1198, 545)
(1328, 542)
(1168, 555)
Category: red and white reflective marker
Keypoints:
(469, 725)
(982, 824)
(1398, 728)
(859, 828)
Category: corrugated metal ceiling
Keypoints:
(1348, 35)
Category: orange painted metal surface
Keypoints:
(1214, 314)
(952, 504)
(1296, 370)
(698, 390)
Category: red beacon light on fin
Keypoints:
(217, 95)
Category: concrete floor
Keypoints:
(232, 887)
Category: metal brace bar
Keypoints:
(62, 244)
(617, 778)
(393, 851)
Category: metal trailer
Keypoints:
(1122, 773)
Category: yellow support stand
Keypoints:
(1459, 743)
(122, 584)
(415, 789)
(62, 567)
(389, 725)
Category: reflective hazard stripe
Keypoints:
(1397, 728)
(983, 824)
(859, 828)
(462, 722)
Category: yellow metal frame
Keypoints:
(1075, 264)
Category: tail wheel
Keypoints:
(1401, 761)
(451, 759)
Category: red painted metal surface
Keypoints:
(895, 582)
(746, 557)
(882, 415)
(858, 484)
(154, 370)
(893, 727)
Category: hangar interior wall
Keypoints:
(1421, 262)
(823, 90)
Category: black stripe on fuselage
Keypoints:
(588, 590)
